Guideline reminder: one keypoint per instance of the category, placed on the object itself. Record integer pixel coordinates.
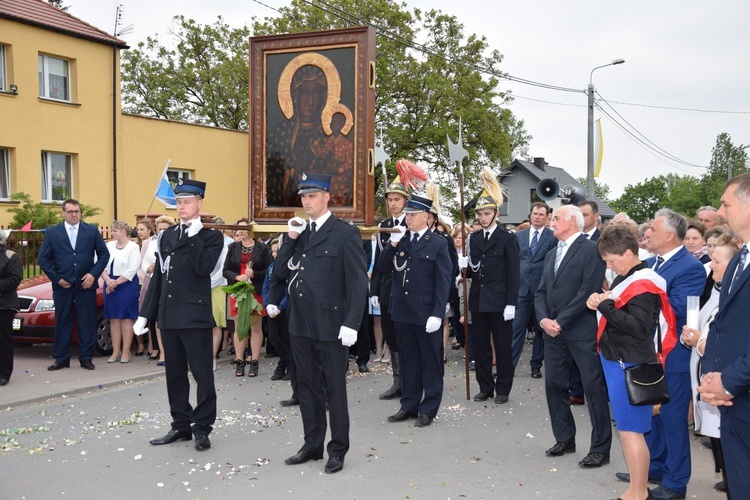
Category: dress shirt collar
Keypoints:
(671, 254)
(589, 234)
(399, 221)
(68, 226)
(321, 220)
(489, 230)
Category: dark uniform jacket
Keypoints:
(180, 297)
(421, 278)
(453, 254)
(380, 282)
(327, 278)
(494, 284)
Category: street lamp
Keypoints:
(590, 163)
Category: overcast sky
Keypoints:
(678, 53)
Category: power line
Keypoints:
(683, 109)
(666, 153)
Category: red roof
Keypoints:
(43, 15)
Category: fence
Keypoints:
(27, 244)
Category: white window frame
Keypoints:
(3, 71)
(47, 182)
(44, 75)
(4, 174)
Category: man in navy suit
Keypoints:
(73, 255)
(533, 245)
(419, 292)
(572, 272)
(669, 440)
(726, 368)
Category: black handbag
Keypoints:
(645, 383)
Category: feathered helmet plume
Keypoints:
(433, 193)
(412, 175)
(492, 195)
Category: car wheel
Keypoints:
(103, 337)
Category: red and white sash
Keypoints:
(645, 281)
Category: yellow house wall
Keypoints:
(215, 156)
(84, 128)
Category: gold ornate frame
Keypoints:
(350, 92)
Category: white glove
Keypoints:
(139, 327)
(375, 301)
(195, 226)
(509, 313)
(299, 225)
(348, 336)
(396, 237)
(447, 309)
(433, 323)
(272, 310)
(463, 262)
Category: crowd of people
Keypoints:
(591, 299)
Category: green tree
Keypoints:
(723, 154)
(203, 80)
(601, 190)
(41, 215)
(59, 5)
(641, 201)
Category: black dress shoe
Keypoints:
(423, 421)
(59, 365)
(202, 442)
(536, 373)
(500, 399)
(401, 416)
(86, 364)
(172, 436)
(3, 381)
(362, 369)
(663, 493)
(289, 402)
(334, 465)
(303, 456)
(482, 396)
(594, 460)
(561, 449)
(624, 476)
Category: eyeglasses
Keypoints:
(72, 212)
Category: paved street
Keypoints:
(80, 435)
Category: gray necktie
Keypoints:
(558, 254)
(73, 236)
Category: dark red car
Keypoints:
(35, 323)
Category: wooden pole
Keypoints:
(464, 284)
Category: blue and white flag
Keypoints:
(164, 192)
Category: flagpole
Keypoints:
(166, 167)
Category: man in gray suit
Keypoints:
(571, 273)
(533, 245)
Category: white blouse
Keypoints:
(123, 261)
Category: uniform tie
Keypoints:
(534, 242)
(659, 262)
(312, 229)
(73, 236)
(486, 237)
(558, 254)
(740, 267)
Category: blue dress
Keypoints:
(122, 303)
(627, 417)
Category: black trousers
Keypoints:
(560, 354)
(278, 335)
(389, 332)
(6, 342)
(192, 349)
(492, 324)
(317, 363)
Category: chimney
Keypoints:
(540, 163)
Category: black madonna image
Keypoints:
(313, 131)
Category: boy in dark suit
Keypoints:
(67, 258)
(419, 292)
(179, 299)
